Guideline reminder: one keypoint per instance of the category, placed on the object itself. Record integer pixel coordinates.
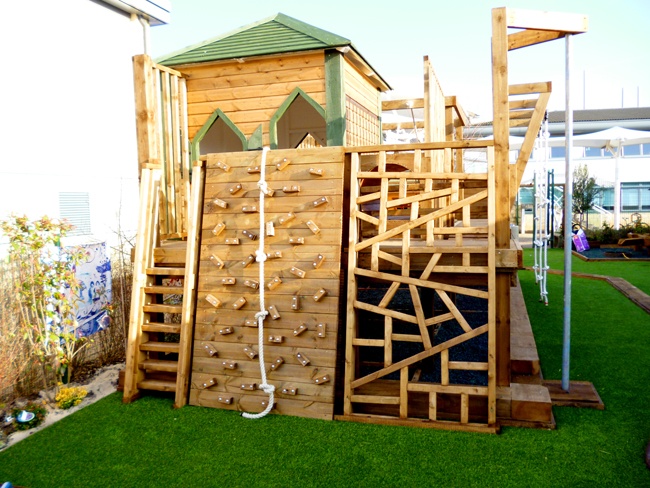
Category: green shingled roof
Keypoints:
(274, 35)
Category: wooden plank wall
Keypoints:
(363, 107)
(250, 92)
(222, 370)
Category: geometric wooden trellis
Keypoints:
(419, 349)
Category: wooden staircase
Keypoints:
(160, 333)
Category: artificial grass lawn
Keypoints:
(635, 272)
(147, 443)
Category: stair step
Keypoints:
(531, 403)
(166, 271)
(160, 346)
(162, 308)
(160, 327)
(159, 365)
(165, 290)
(158, 385)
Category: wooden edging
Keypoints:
(638, 297)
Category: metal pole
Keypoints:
(552, 208)
(568, 214)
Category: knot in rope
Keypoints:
(261, 315)
(260, 256)
(263, 186)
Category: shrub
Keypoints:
(39, 412)
(70, 397)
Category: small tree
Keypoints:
(585, 192)
(46, 289)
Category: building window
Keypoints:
(633, 150)
(75, 208)
(605, 198)
(593, 152)
(635, 196)
(558, 152)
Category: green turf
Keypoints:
(635, 272)
(149, 444)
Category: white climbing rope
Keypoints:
(261, 315)
(541, 237)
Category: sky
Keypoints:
(610, 67)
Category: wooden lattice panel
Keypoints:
(302, 282)
(421, 312)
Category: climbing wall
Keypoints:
(302, 232)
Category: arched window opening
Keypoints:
(301, 124)
(220, 138)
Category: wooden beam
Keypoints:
(452, 102)
(521, 104)
(402, 104)
(400, 125)
(526, 38)
(425, 146)
(528, 88)
(521, 114)
(567, 23)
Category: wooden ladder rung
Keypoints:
(160, 346)
(159, 365)
(158, 385)
(166, 271)
(162, 308)
(164, 290)
(160, 327)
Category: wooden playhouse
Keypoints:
(389, 272)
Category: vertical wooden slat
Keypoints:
(492, 295)
(383, 210)
(185, 149)
(404, 393)
(464, 408)
(444, 367)
(433, 406)
(175, 143)
(167, 135)
(388, 341)
(351, 319)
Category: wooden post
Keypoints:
(189, 285)
(501, 130)
(145, 111)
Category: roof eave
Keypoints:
(364, 66)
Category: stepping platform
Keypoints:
(581, 394)
(524, 359)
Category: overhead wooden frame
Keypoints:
(535, 27)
